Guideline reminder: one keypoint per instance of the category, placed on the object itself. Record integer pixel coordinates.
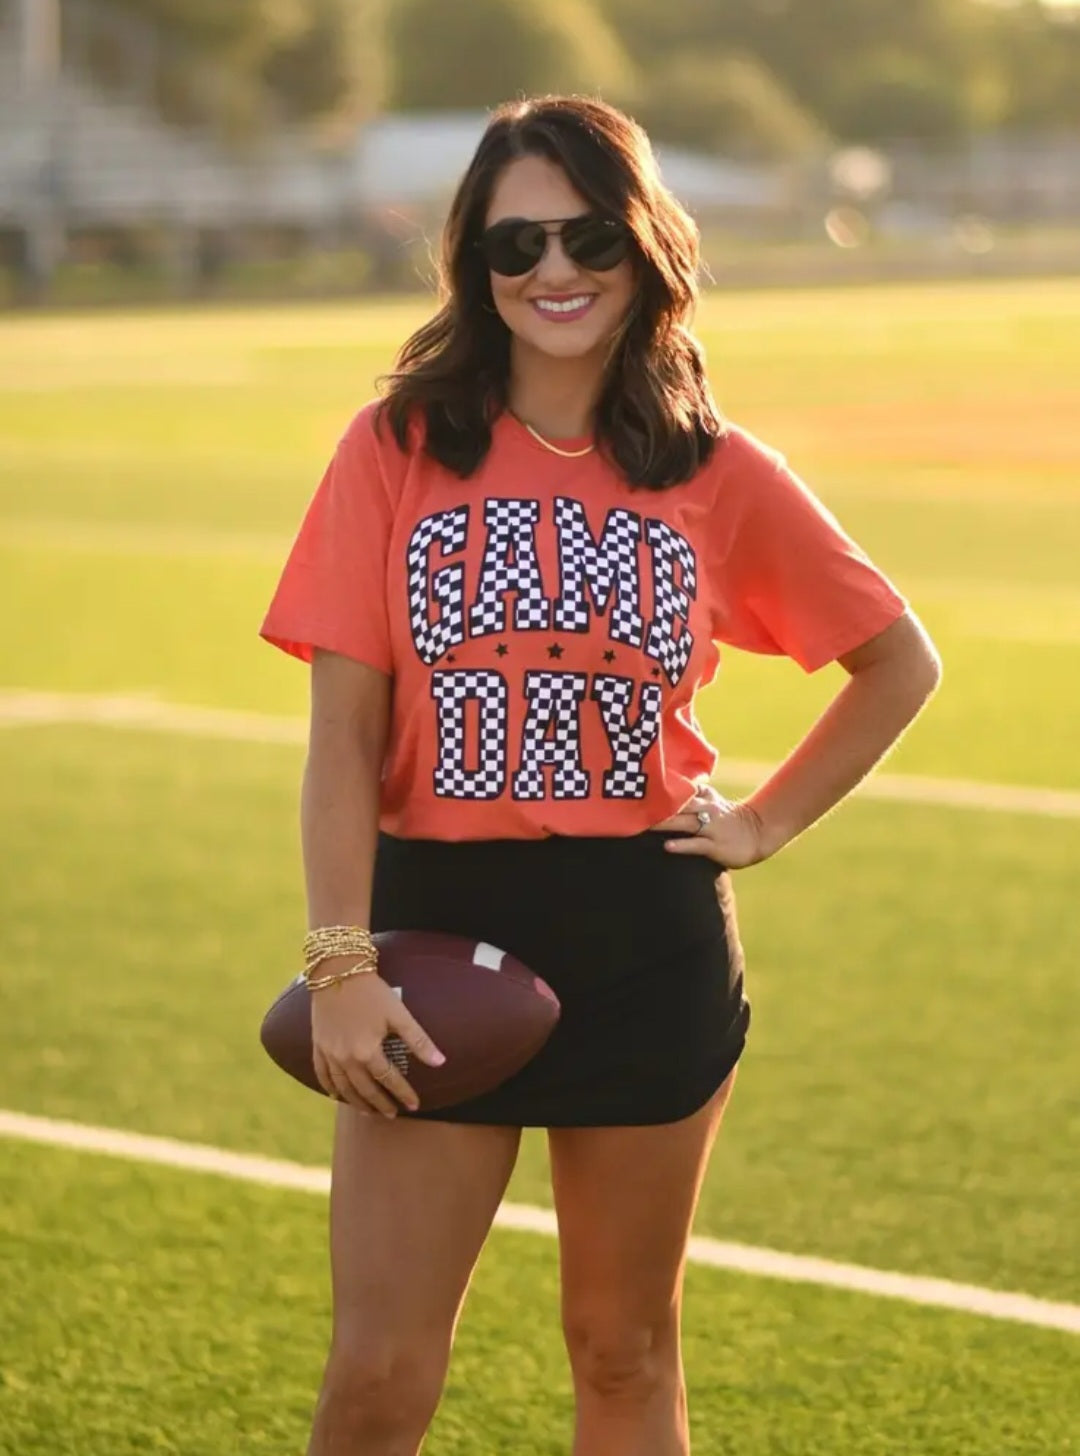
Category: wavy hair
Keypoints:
(656, 419)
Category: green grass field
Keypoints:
(910, 1097)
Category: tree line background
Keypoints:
(760, 79)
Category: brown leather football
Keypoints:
(484, 1010)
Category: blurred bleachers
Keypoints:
(81, 162)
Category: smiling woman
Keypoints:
(584, 275)
(509, 598)
(569, 280)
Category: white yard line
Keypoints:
(744, 1258)
(145, 711)
(19, 707)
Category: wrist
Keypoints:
(771, 835)
(336, 953)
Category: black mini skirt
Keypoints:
(640, 945)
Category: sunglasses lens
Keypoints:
(515, 246)
(596, 243)
(512, 247)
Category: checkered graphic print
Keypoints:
(447, 585)
(625, 778)
(607, 566)
(671, 600)
(554, 699)
(452, 691)
(511, 525)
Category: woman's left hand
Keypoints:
(733, 837)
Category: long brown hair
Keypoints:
(656, 418)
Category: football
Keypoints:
(485, 1011)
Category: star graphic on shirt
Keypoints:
(609, 656)
(450, 657)
(555, 650)
(656, 672)
(502, 649)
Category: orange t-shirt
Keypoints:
(547, 626)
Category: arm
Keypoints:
(339, 802)
(339, 813)
(789, 580)
(892, 678)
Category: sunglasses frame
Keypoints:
(618, 227)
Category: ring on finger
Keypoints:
(704, 819)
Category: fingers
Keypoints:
(364, 1077)
(322, 1072)
(676, 821)
(415, 1037)
(390, 1080)
(687, 822)
(686, 818)
(356, 1084)
(370, 1089)
(695, 844)
(691, 823)
(333, 1079)
(344, 1091)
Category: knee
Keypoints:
(378, 1394)
(621, 1358)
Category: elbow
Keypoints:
(905, 672)
(916, 682)
(926, 671)
(903, 656)
(927, 667)
(917, 675)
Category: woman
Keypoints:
(510, 584)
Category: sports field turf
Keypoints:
(910, 1098)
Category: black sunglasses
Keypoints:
(515, 245)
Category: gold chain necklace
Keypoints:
(555, 450)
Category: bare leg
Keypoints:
(625, 1198)
(410, 1206)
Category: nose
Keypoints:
(556, 267)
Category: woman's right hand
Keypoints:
(348, 1024)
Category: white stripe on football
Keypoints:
(488, 955)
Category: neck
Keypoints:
(558, 397)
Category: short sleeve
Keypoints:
(333, 589)
(787, 578)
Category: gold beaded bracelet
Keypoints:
(333, 940)
(328, 940)
(336, 977)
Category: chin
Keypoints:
(562, 341)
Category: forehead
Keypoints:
(534, 187)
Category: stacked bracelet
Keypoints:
(333, 940)
(336, 977)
